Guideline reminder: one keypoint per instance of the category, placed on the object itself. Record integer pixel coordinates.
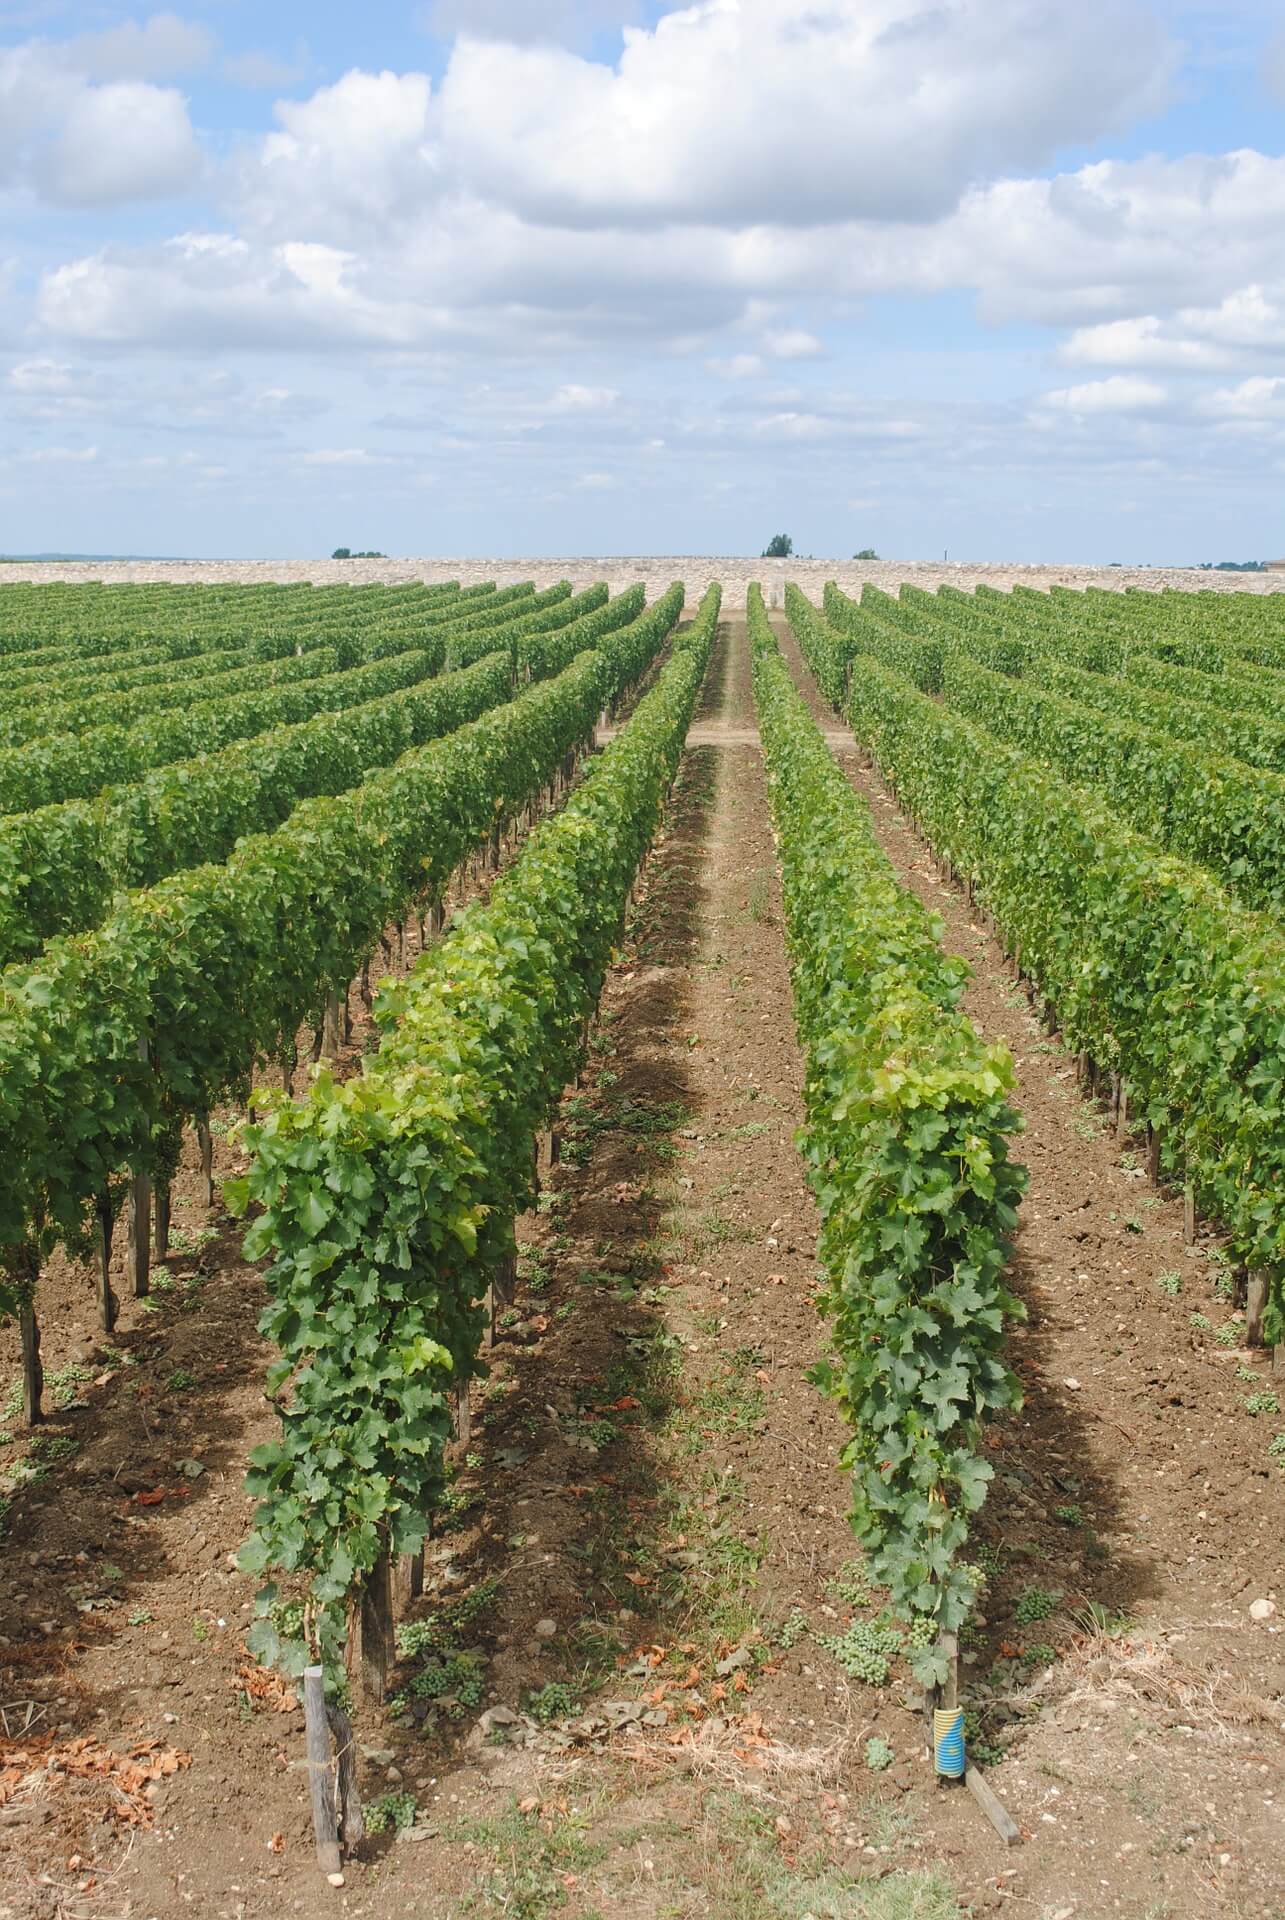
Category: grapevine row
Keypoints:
(113, 1039)
(1232, 733)
(60, 865)
(907, 1146)
(110, 622)
(85, 696)
(389, 1202)
(1156, 975)
(69, 766)
(1229, 817)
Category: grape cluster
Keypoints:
(864, 1649)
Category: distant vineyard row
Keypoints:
(1075, 758)
(179, 927)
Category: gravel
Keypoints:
(735, 573)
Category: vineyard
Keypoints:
(633, 1235)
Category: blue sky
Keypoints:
(1002, 278)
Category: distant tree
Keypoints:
(866, 553)
(779, 547)
(342, 553)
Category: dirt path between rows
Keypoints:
(633, 1687)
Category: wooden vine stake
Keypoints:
(138, 1257)
(161, 1219)
(337, 1821)
(377, 1628)
(205, 1143)
(1189, 1214)
(993, 1807)
(352, 1827)
(33, 1374)
(1255, 1306)
(108, 1305)
(139, 1264)
(410, 1576)
(321, 1772)
(330, 1027)
(504, 1284)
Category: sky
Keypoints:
(998, 279)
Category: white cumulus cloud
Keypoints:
(346, 163)
(341, 457)
(1121, 393)
(124, 141)
(1146, 341)
(1259, 398)
(874, 109)
(791, 343)
(77, 143)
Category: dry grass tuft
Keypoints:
(1148, 1675)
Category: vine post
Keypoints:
(377, 1628)
(205, 1144)
(330, 1027)
(138, 1257)
(161, 1219)
(410, 1576)
(139, 1265)
(321, 1771)
(108, 1305)
(504, 1283)
(1122, 1116)
(1256, 1293)
(22, 1264)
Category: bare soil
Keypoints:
(647, 1540)
(734, 571)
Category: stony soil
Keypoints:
(655, 571)
(650, 1521)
